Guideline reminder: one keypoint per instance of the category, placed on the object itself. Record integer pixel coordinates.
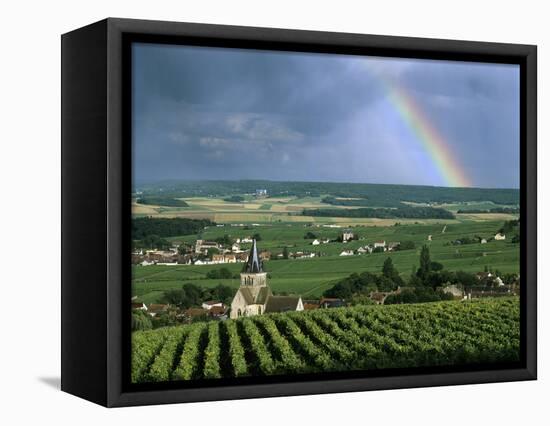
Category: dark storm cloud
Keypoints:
(205, 113)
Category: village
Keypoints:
(205, 252)
(255, 297)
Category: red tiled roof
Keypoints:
(195, 312)
(217, 310)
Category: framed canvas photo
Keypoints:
(253, 212)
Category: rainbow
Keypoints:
(426, 134)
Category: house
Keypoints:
(236, 248)
(230, 258)
(346, 253)
(241, 257)
(192, 313)
(211, 303)
(499, 281)
(162, 256)
(483, 275)
(315, 242)
(429, 238)
(139, 306)
(310, 305)
(378, 244)
(347, 235)
(364, 249)
(157, 308)
(261, 193)
(202, 246)
(218, 312)
(218, 258)
(283, 304)
(500, 237)
(265, 255)
(483, 241)
(330, 302)
(246, 240)
(393, 246)
(254, 296)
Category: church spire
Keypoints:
(254, 264)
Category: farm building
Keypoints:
(254, 296)
(500, 237)
(393, 246)
(330, 302)
(380, 244)
(202, 246)
(211, 303)
(347, 235)
(157, 308)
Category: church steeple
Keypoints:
(254, 263)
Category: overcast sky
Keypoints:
(208, 113)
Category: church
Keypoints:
(254, 296)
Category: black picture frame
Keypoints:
(96, 182)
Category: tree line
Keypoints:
(508, 210)
(383, 213)
(378, 195)
(162, 201)
(143, 227)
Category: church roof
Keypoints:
(254, 263)
(281, 303)
(248, 295)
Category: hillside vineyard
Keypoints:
(340, 339)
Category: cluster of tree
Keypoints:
(190, 295)
(162, 201)
(225, 240)
(350, 202)
(508, 210)
(165, 227)
(234, 199)
(417, 295)
(384, 213)
(310, 236)
(379, 195)
(152, 242)
(141, 321)
(363, 284)
(406, 245)
(509, 227)
(221, 274)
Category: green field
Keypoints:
(310, 277)
(343, 339)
